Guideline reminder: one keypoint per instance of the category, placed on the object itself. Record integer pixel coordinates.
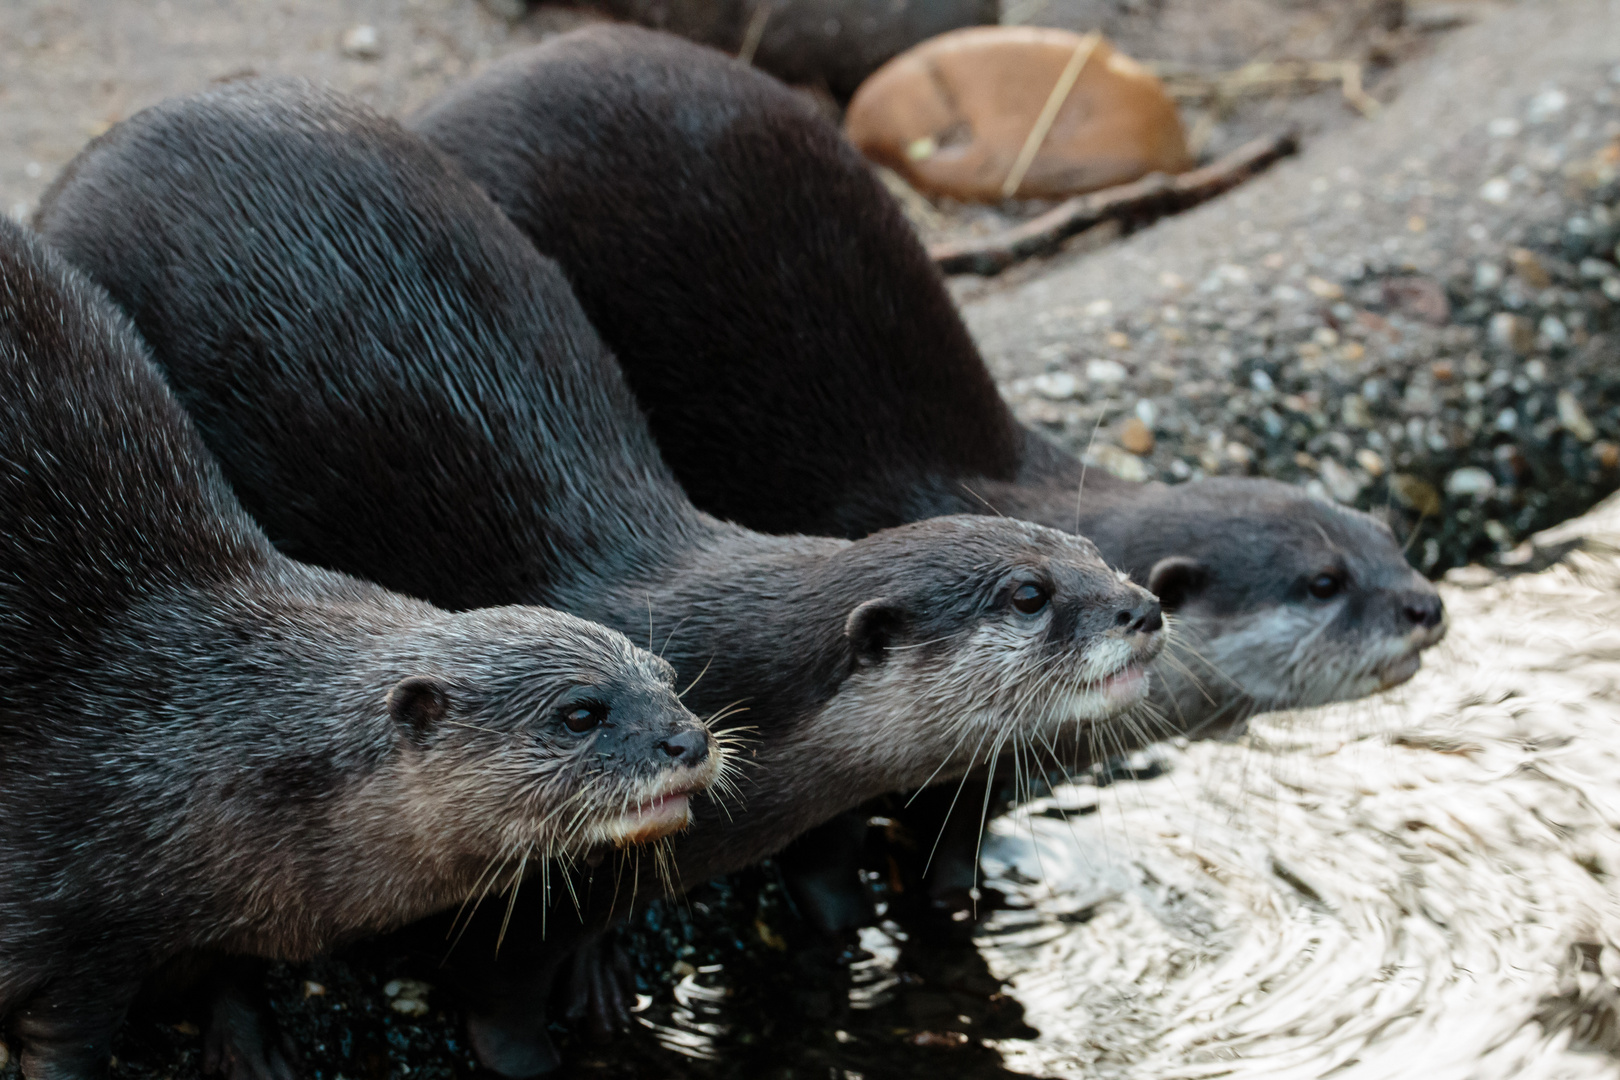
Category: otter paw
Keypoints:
(601, 990)
(243, 1042)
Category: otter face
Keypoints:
(1281, 601)
(551, 735)
(996, 630)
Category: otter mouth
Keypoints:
(1406, 665)
(1399, 670)
(1112, 693)
(654, 819)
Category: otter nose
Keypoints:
(1144, 618)
(1423, 609)
(689, 748)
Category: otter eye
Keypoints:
(581, 718)
(1326, 586)
(1029, 598)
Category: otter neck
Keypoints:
(321, 740)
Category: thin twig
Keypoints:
(1152, 196)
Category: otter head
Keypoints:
(1279, 600)
(539, 733)
(985, 634)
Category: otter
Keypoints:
(400, 386)
(208, 747)
(804, 370)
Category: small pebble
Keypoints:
(1136, 437)
(1354, 411)
(1470, 480)
(1121, 463)
(1057, 385)
(1340, 482)
(315, 989)
(1417, 493)
(1553, 329)
(1324, 289)
(1528, 267)
(682, 970)
(1105, 372)
(5, 1055)
(1607, 454)
(1574, 418)
(406, 988)
(1546, 105)
(361, 42)
(1496, 190)
(1369, 460)
(944, 1040)
(1511, 332)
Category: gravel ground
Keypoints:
(1418, 312)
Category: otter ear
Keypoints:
(871, 627)
(418, 703)
(1177, 579)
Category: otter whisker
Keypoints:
(724, 712)
(511, 903)
(981, 498)
(671, 635)
(1085, 463)
(476, 727)
(950, 809)
(695, 681)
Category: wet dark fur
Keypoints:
(804, 369)
(207, 746)
(398, 385)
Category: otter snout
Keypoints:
(1423, 610)
(688, 748)
(1136, 623)
(1144, 618)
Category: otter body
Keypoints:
(804, 370)
(207, 746)
(398, 385)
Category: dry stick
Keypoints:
(1150, 196)
(1043, 123)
